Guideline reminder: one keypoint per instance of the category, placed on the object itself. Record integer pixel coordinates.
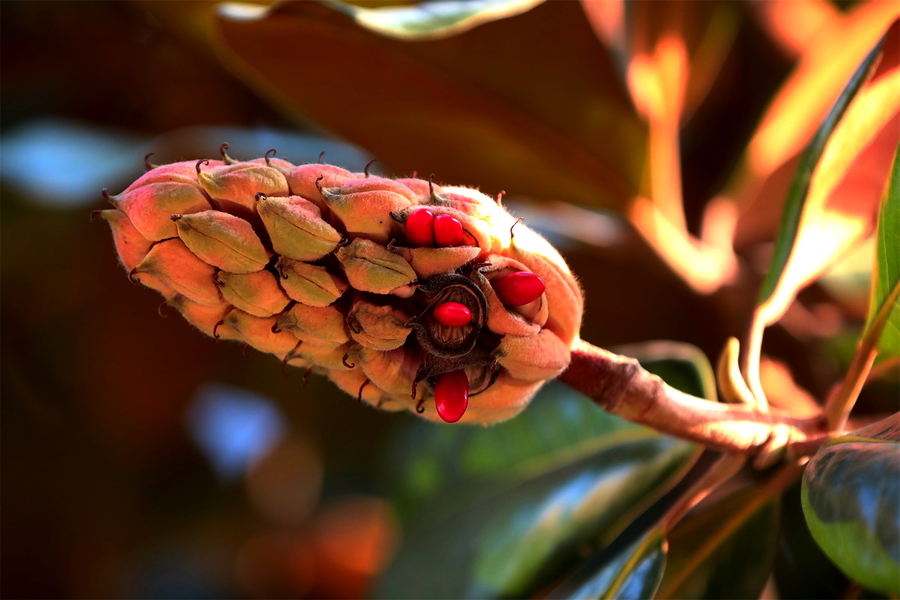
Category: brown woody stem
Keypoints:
(620, 386)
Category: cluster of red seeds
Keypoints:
(424, 229)
(381, 284)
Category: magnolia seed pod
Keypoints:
(205, 318)
(537, 255)
(327, 357)
(448, 227)
(131, 246)
(223, 240)
(423, 191)
(241, 182)
(451, 396)
(307, 180)
(177, 267)
(504, 399)
(255, 293)
(458, 311)
(180, 172)
(428, 262)
(280, 164)
(308, 284)
(392, 371)
(502, 291)
(154, 283)
(149, 207)
(534, 358)
(379, 327)
(364, 206)
(296, 228)
(355, 383)
(323, 326)
(260, 333)
(373, 268)
(448, 341)
(481, 217)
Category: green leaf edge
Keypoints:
(763, 499)
(888, 247)
(864, 574)
(653, 542)
(797, 194)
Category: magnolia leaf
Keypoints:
(427, 462)
(851, 500)
(801, 569)
(818, 220)
(725, 551)
(487, 106)
(828, 60)
(632, 573)
(886, 277)
(510, 538)
(507, 510)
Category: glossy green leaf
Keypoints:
(851, 500)
(632, 573)
(794, 205)
(488, 106)
(427, 461)
(725, 551)
(559, 426)
(801, 569)
(505, 511)
(509, 540)
(886, 278)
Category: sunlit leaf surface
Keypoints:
(761, 184)
(801, 104)
(800, 244)
(887, 266)
(851, 500)
(488, 107)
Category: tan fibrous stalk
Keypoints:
(620, 385)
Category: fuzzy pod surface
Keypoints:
(408, 295)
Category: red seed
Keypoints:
(419, 229)
(448, 231)
(452, 314)
(519, 288)
(451, 396)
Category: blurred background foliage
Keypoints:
(142, 459)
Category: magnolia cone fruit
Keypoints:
(406, 294)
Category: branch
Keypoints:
(620, 386)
